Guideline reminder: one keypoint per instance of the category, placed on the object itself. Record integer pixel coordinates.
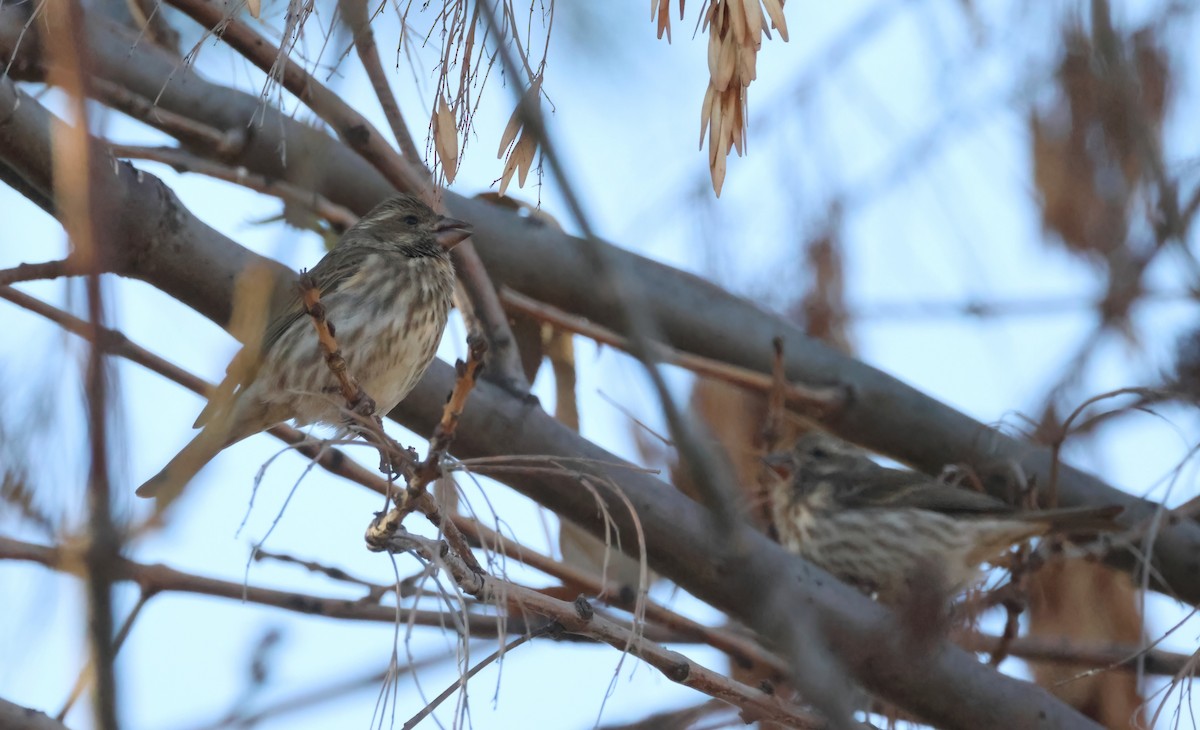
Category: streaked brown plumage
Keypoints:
(386, 288)
(891, 531)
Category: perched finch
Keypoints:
(892, 532)
(386, 288)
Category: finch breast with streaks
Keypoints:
(387, 342)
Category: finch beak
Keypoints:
(449, 232)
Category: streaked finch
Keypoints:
(386, 287)
(892, 532)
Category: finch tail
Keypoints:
(168, 483)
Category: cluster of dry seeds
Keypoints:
(735, 30)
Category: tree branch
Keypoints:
(162, 579)
(580, 618)
(947, 687)
(883, 414)
(406, 175)
(15, 717)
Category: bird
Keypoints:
(386, 286)
(892, 532)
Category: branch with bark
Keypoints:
(541, 262)
(164, 245)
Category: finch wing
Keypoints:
(879, 486)
(330, 274)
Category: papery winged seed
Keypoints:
(510, 168)
(754, 22)
(468, 46)
(746, 65)
(664, 19)
(524, 151)
(514, 122)
(254, 7)
(445, 138)
(717, 170)
(714, 127)
(726, 64)
(729, 120)
(737, 21)
(775, 10)
(510, 131)
(739, 135)
(706, 113)
(714, 55)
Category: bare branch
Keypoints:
(580, 618)
(824, 401)
(77, 192)
(948, 687)
(355, 14)
(40, 270)
(183, 161)
(155, 579)
(15, 717)
(361, 136)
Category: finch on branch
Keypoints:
(386, 287)
(892, 532)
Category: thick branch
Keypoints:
(692, 314)
(947, 686)
(15, 717)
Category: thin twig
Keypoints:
(1053, 651)
(359, 404)
(76, 191)
(183, 161)
(338, 463)
(364, 138)
(40, 271)
(122, 634)
(580, 618)
(312, 566)
(416, 498)
(822, 401)
(355, 14)
(772, 430)
(462, 680)
(154, 579)
(813, 670)
(185, 129)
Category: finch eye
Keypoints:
(411, 220)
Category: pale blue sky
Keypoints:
(626, 119)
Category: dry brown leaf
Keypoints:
(520, 154)
(660, 10)
(775, 10)
(514, 122)
(754, 23)
(445, 138)
(735, 22)
(464, 79)
(1080, 602)
(706, 110)
(735, 29)
(519, 161)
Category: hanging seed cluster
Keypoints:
(735, 31)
